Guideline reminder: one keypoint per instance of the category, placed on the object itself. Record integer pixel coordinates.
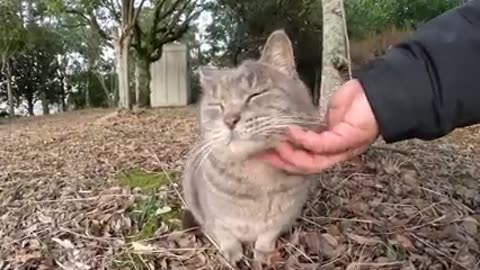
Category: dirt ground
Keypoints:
(97, 189)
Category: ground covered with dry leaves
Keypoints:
(97, 190)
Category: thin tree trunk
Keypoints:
(316, 86)
(62, 93)
(137, 84)
(87, 92)
(121, 49)
(110, 100)
(142, 82)
(30, 106)
(334, 51)
(11, 106)
(45, 109)
(6, 70)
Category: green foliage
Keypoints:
(149, 212)
(240, 28)
(90, 80)
(147, 182)
(12, 34)
(367, 17)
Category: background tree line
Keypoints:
(68, 54)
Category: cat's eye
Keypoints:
(249, 99)
(218, 105)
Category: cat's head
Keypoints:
(247, 107)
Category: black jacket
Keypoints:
(429, 84)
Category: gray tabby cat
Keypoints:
(245, 110)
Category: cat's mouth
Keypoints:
(243, 148)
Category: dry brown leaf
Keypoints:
(470, 225)
(71, 181)
(64, 243)
(141, 247)
(312, 241)
(332, 241)
(362, 240)
(25, 257)
(404, 242)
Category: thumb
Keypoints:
(339, 138)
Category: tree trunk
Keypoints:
(110, 100)
(316, 85)
(142, 82)
(87, 91)
(63, 105)
(45, 108)
(11, 106)
(121, 57)
(5, 68)
(334, 51)
(30, 106)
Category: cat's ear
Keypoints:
(209, 76)
(278, 52)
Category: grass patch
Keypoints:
(147, 181)
(149, 212)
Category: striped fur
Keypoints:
(232, 197)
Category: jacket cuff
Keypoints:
(395, 97)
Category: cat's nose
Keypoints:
(231, 119)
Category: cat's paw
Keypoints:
(263, 257)
(233, 254)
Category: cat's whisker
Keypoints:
(201, 148)
(288, 120)
(278, 126)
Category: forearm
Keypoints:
(428, 85)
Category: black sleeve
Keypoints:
(429, 84)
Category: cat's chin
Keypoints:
(243, 149)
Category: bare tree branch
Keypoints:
(91, 20)
(172, 8)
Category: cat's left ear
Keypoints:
(278, 52)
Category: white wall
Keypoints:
(170, 77)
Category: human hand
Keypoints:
(352, 128)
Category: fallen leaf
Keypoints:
(470, 225)
(362, 240)
(327, 245)
(140, 247)
(25, 257)
(64, 243)
(404, 242)
(330, 239)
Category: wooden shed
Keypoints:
(170, 84)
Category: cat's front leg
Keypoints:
(230, 246)
(265, 246)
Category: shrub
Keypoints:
(366, 49)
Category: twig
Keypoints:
(392, 149)
(85, 236)
(347, 219)
(180, 197)
(439, 251)
(376, 264)
(70, 200)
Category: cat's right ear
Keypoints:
(209, 77)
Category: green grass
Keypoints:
(147, 181)
(151, 211)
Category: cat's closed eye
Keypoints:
(251, 97)
(216, 105)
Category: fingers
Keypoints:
(339, 138)
(302, 162)
(274, 159)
